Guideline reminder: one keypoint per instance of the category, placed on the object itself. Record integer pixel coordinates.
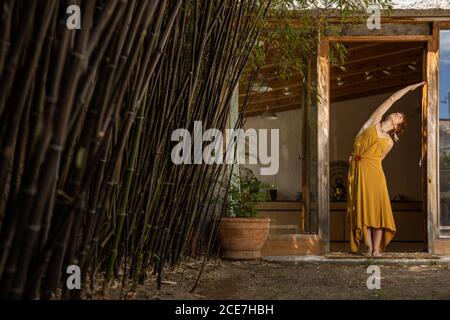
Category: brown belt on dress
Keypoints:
(358, 157)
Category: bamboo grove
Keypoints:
(86, 115)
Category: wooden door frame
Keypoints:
(441, 243)
(430, 98)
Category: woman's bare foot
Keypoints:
(368, 252)
(376, 253)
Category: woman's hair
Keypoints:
(399, 129)
(402, 125)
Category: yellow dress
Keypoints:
(368, 203)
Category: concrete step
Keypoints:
(386, 259)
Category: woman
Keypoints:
(368, 204)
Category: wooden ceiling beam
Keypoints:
(273, 99)
(254, 113)
(371, 92)
(273, 76)
(275, 102)
(254, 99)
(379, 75)
(355, 46)
(276, 84)
(376, 65)
(373, 85)
(362, 56)
(247, 70)
(382, 52)
(349, 77)
(384, 38)
(295, 87)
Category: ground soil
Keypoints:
(259, 279)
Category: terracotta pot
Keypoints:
(243, 238)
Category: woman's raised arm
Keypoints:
(377, 115)
(381, 110)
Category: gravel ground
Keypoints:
(259, 279)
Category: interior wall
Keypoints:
(401, 165)
(288, 180)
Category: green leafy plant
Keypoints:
(291, 30)
(243, 195)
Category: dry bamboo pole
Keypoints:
(88, 138)
(117, 153)
(5, 32)
(125, 193)
(168, 60)
(10, 139)
(30, 188)
(130, 39)
(51, 165)
(10, 69)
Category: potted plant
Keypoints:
(241, 233)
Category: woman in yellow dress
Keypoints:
(368, 204)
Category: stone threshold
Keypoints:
(349, 259)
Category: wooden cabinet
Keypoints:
(286, 219)
(408, 216)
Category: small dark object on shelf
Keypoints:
(339, 190)
(338, 180)
(273, 193)
(399, 197)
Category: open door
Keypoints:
(419, 208)
(371, 73)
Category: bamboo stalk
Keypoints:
(92, 181)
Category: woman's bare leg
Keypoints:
(377, 235)
(368, 242)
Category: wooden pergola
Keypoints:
(370, 68)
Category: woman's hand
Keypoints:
(350, 159)
(415, 86)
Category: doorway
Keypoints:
(372, 72)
